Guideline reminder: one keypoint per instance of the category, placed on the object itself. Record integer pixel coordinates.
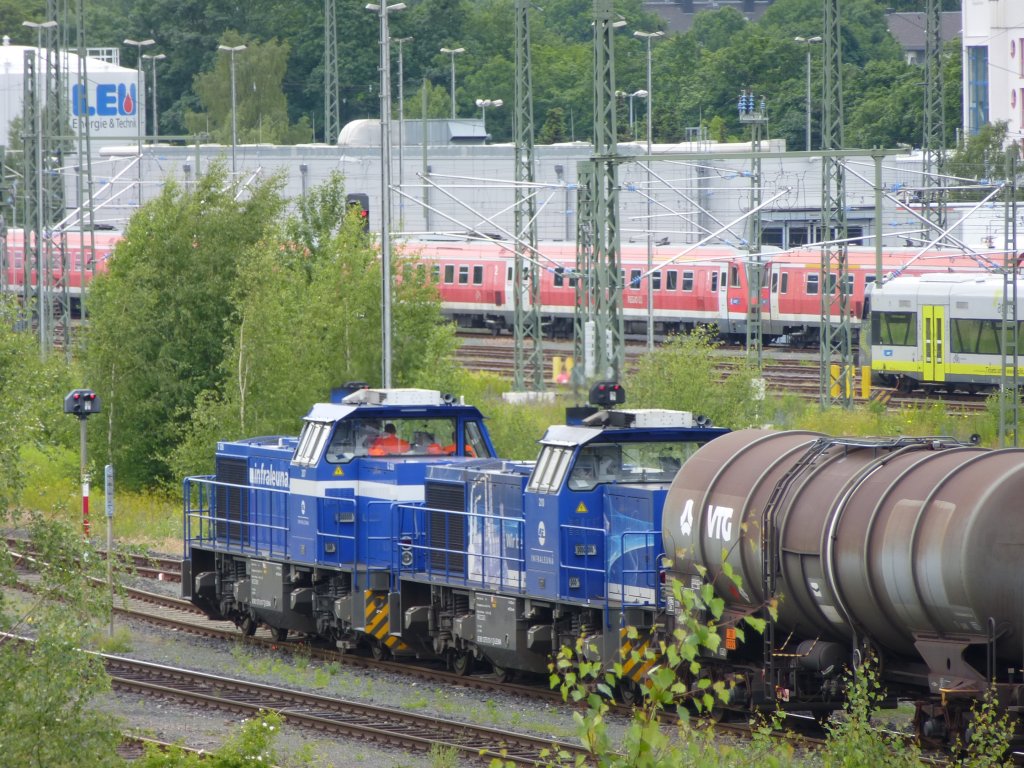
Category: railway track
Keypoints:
(332, 716)
(341, 717)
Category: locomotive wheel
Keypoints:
(462, 663)
(629, 692)
(501, 674)
(379, 651)
(280, 633)
(248, 626)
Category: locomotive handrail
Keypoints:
(261, 535)
(513, 566)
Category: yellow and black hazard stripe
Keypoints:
(378, 622)
(635, 655)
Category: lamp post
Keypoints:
(40, 255)
(808, 41)
(453, 52)
(152, 66)
(484, 104)
(233, 49)
(401, 112)
(385, 202)
(648, 36)
(140, 84)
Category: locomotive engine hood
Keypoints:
(904, 541)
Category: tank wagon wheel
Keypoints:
(462, 663)
(247, 625)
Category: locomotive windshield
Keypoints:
(375, 436)
(628, 462)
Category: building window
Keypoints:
(977, 87)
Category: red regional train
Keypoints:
(706, 286)
(99, 245)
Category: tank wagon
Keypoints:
(437, 549)
(906, 549)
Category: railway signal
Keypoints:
(360, 202)
(83, 403)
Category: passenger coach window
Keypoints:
(634, 278)
(894, 329)
(478, 275)
(671, 280)
(463, 275)
(656, 284)
(812, 284)
(435, 273)
(785, 283)
(449, 273)
(976, 337)
(687, 280)
(714, 282)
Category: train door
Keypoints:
(933, 342)
(736, 297)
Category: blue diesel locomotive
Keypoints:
(389, 523)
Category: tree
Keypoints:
(308, 318)
(260, 104)
(161, 314)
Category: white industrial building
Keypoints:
(993, 51)
(111, 100)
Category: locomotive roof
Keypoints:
(571, 436)
(332, 412)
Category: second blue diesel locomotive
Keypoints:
(389, 523)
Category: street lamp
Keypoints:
(385, 163)
(484, 104)
(623, 95)
(40, 256)
(140, 83)
(648, 36)
(401, 111)
(152, 62)
(453, 52)
(808, 41)
(233, 49)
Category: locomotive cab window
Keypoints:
(311, 443)
(549, 473)
(628, 462)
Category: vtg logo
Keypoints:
(111, 100)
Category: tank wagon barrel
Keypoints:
(906, 548)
